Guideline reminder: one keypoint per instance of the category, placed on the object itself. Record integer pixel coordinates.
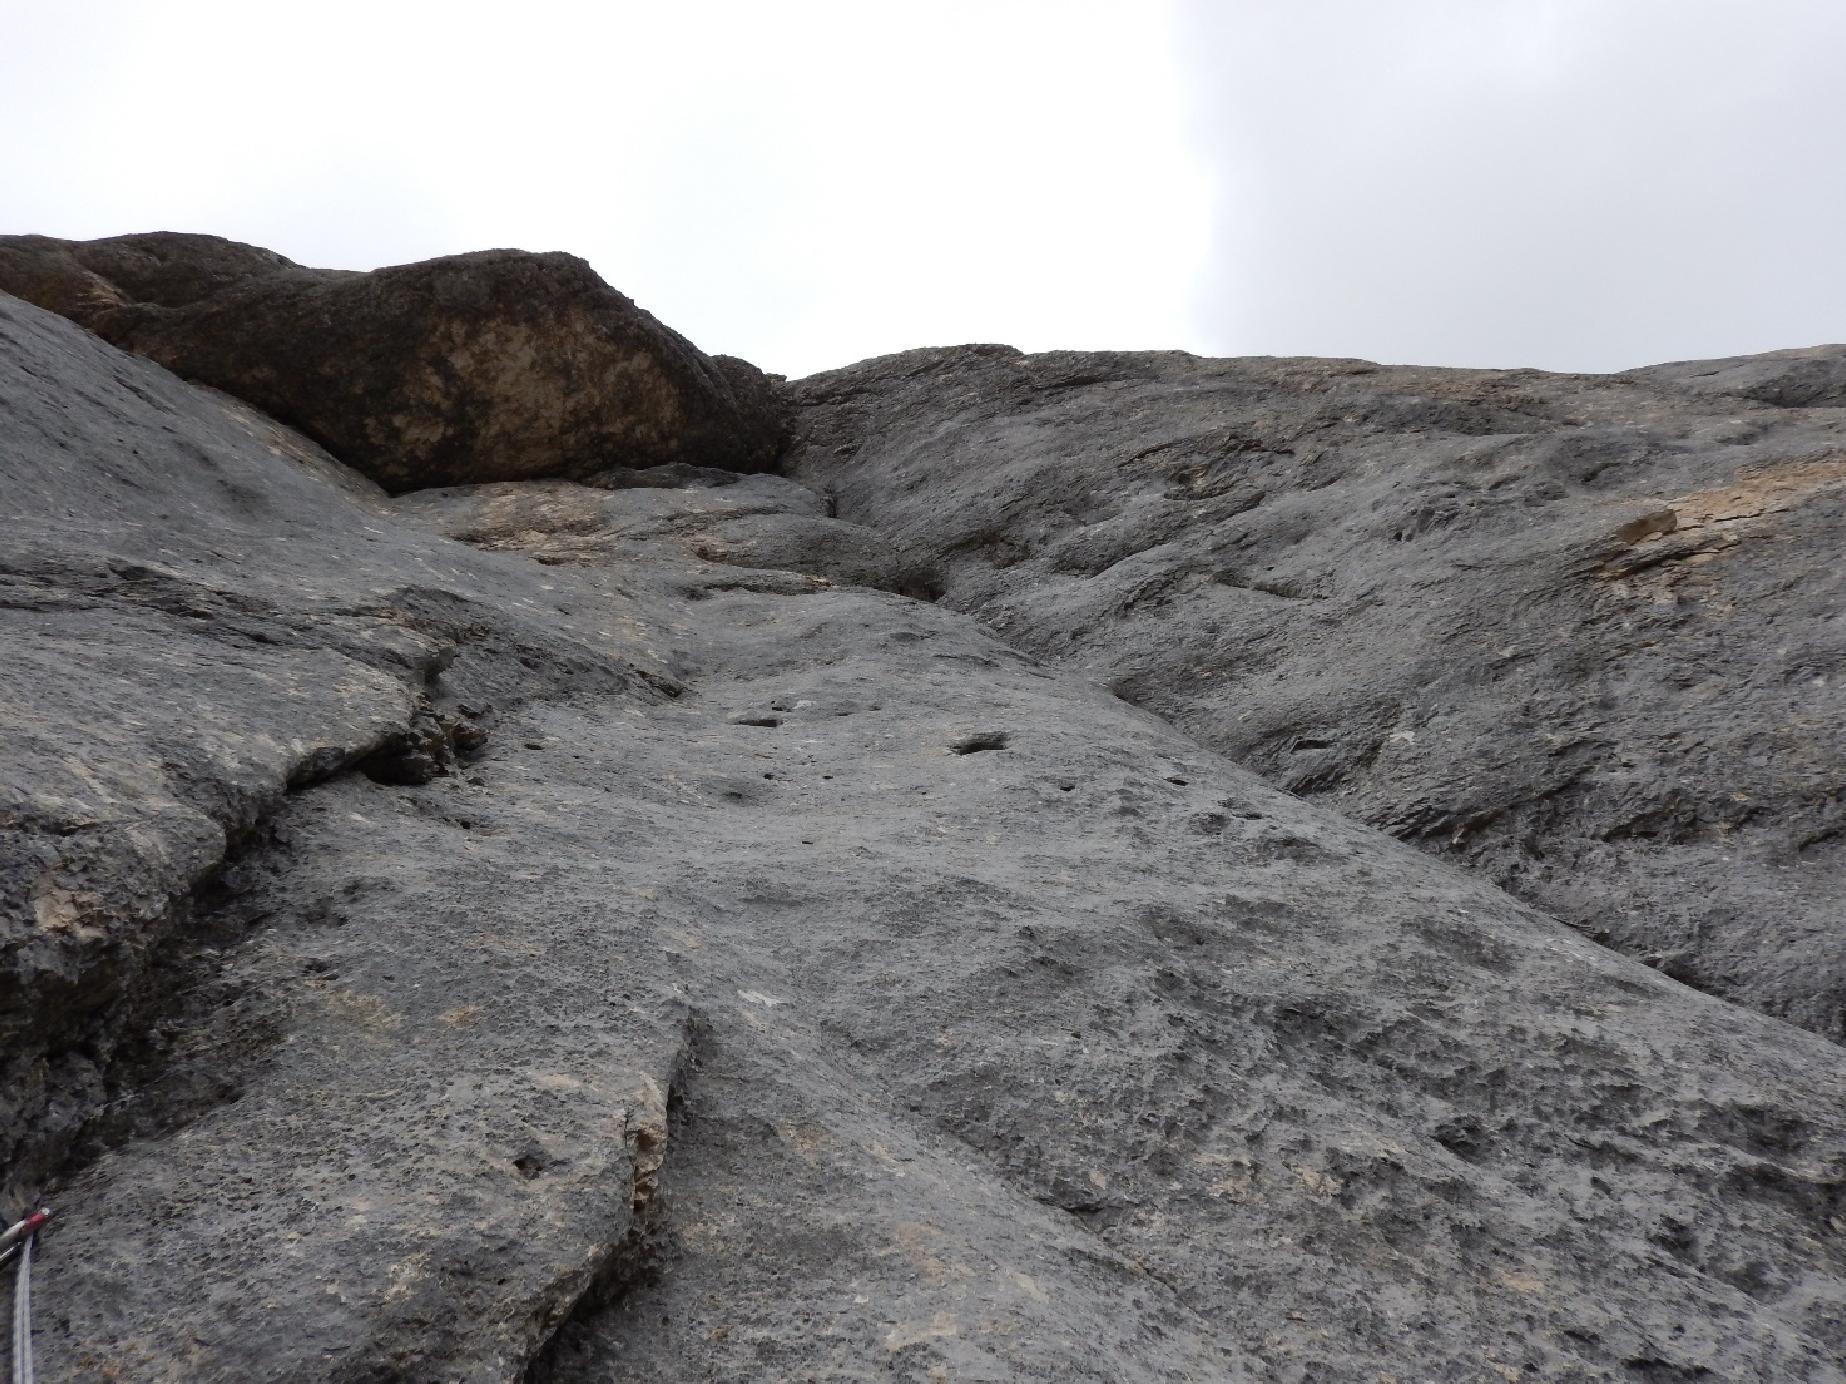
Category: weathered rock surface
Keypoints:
(1586, 635)
(715, 518)
(413, 946)
(90, 281)
(494, 366)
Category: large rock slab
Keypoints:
(1586, 635)
(641, 968)
(494, 366)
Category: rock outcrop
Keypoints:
(494, 366)
(559, 932)
(91, 281)
(1583, 634)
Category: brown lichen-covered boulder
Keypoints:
(170, 268)
(92, 281)
(496, 366)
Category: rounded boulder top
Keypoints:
(494, 366)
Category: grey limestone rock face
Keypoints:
(500, 365)
(1583, 634)
(561, 934)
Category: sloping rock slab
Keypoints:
(1580, 633)
(796, 983)
(494, 366)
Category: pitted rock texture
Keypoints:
(1583, 634)
(500, 365)
(773, 977)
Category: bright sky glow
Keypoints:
(1572, 183)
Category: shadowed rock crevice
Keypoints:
(119, 1023)
(633, 1265)
(799, 1191)
(84, 996)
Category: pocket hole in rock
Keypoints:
(981, 740)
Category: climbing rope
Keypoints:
(23, 1370)
(18, 1239)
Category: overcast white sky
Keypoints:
(1579, 184)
